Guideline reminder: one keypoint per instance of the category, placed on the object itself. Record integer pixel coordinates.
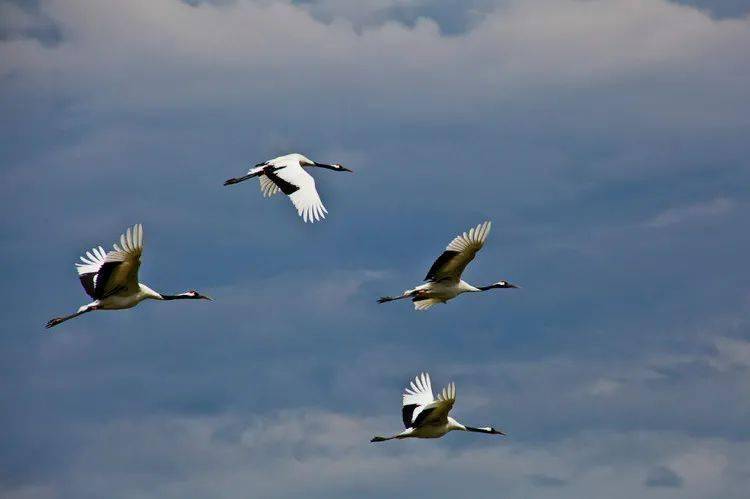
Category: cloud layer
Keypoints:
(607, 141)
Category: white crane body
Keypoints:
(111, 278)
(444, 277)
(426, 416)
(287, 174)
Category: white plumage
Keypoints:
(444, 277)
(111, 278)
(287, 174)
(426, 416)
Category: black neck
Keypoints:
(324, 165)
(176, 297)
(491, 286)
(489, 431)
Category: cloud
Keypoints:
(546, 481)
(720, 8)
(19, 20)
(527, 43)
(324, 454)
(699, 211)
(661, 476)
(578, 127)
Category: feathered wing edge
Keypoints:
(131, 246)
(309, 205)
(475, 236)
(267, 187)
(448, 394)
(425, 304)
(416, 396)
(419, 391)
(92, 261)
(131, 242)
(459, 252)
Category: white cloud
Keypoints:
(324, 454)
(236, 53)
(697, 211)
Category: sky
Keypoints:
(607, 140)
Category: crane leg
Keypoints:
(241, 179)
(385, 299)
(59, 320)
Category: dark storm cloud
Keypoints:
(720, 8)
(606, 141)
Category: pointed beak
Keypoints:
(207, 298)
(513, 286)
(345, 169)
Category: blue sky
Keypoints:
(606, 140)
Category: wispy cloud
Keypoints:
(693, 212)
(591, 133)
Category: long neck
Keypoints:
(465, 287)
(148, 293)
(323, 165)
(487, 288)
(455, 425)
(176, 297)
(479, 430)
(486, 429)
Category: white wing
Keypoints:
(425, 304)
(299, 185)
(437, 412)
(102, 274)
(457, 255)
(88, 271)
(267, 187)
(420, 392)
(416, 398)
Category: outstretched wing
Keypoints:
(299, 185)
(437, 412)
(90, 271)
(457, 255)
(103, 274)
(425, 303)
(267, 187)
(416, 398)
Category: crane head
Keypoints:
(194, 295)
(336, 167)
(505, 285)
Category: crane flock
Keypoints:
(110, 278)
